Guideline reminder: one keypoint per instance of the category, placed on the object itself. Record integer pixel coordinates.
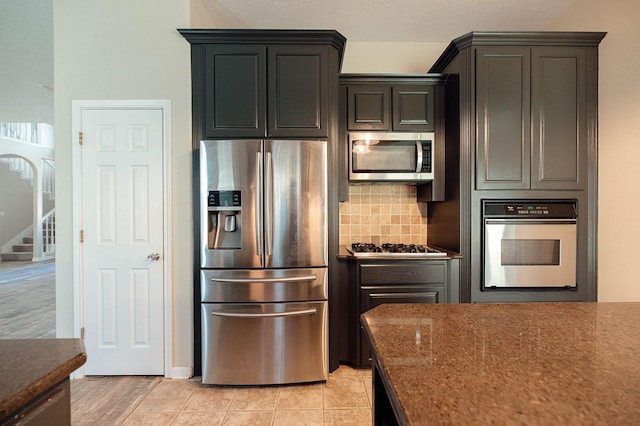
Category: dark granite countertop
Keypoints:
(29, 367)
(535, 363)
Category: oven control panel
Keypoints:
(552, 210)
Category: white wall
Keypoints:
(619, 133)
(16, 204)
(126, 50)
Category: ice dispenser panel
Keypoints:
(225, 220)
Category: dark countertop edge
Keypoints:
(31, 390)
(398, 410)
(343, 254)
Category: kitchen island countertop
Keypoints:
(535, 363)
(28, 367)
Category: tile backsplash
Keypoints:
(383, 213)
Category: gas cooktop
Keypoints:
(393, 250)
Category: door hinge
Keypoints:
(80, 138)
(82, 235)
(82, 333)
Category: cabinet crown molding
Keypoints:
(256, 36)
(516, 38)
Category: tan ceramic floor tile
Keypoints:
(248, 418)
(201, 418)
(348, 417)
(252, 399)
(300, 397)
(344, 371)
(345, 392)
(168, 396)
(210, 399)
(139, 418)
(298, 418)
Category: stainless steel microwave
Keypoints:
(383, 156)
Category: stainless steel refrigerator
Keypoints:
(264, 253)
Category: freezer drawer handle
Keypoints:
(266, 280)
(275, 314)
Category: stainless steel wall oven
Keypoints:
(529, 244)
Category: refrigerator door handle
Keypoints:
(274, 314)
(258, 204)
(268, 234)
(312, 277)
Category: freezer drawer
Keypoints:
(263, 285)
(260, 344)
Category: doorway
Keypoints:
(121, 202)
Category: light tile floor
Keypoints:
(345, 399)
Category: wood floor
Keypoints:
(27, 310)
(27, 300)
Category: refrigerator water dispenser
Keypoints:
(225, 219)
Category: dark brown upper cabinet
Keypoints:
(531, 106)
(264, 83)
(391, 108)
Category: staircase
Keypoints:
(21, 166)
(22, 245)
(22, 251)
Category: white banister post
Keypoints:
(37, 211)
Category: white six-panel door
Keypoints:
(122, 226)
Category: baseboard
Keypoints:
(180, 373)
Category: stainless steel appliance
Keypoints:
(530, 244)
(393, 250)
(383, 156)
(264, 254)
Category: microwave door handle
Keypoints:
(419, 154)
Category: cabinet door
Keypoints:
(298, 91)
(235, 86)
(414, 108)
(369, 108)
(559, 118)
(370, 297)
(503, 118)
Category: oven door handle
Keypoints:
(530, 221)
(419, 156)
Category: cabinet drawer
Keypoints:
(372, 274)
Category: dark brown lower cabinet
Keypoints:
(52, 407)
(398, 281)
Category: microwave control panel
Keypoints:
(426, 157)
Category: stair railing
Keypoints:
(49, 178)
(26, 132)
(49, 234)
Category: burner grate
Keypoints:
(391, 249)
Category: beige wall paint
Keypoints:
(391, 58)
(619, 133)
(115, 50)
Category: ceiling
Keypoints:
(389, 20)
(26, 32)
